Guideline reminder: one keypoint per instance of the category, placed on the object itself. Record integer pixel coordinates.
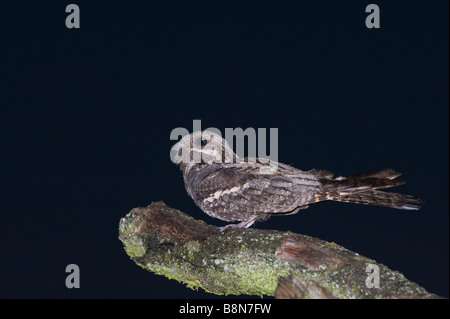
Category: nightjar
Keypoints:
(246, 190)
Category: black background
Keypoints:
(86, 116)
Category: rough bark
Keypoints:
(252, 261)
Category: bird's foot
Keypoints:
(244, 224)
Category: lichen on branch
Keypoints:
(260, 262)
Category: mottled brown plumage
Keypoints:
(246, 190)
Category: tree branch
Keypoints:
(260, 262)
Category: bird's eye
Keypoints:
(201, 141)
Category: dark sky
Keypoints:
(87, 113)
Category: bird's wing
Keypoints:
(241, 188)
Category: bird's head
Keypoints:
(201, 147)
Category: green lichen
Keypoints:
(215, 267)
(246, 262)
(134, 245)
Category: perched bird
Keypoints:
(246, 190)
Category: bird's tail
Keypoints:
(363, 189)
(386, 199)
